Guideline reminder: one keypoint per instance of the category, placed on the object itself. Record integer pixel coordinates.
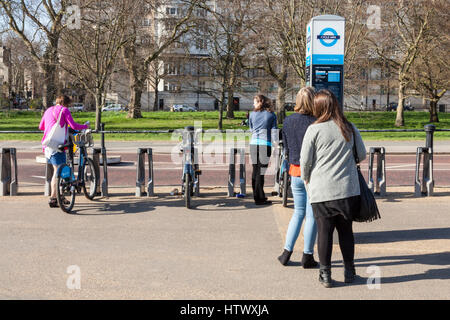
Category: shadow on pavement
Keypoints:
(110, 209)
(126, 203)
(434, 259)
(398, 196)
(402, 235)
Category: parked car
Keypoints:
(77, 107)
(182, 107)
(393, 107)
(289, 106)
(113, 107)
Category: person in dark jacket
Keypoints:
(263, 124)
(294, 129)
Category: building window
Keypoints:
(172, 11)
(202, 86)
(171, 87)
(172, 69)
(201, 44)
(201, 13)
(146, 22)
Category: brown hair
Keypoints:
(63, 101)
(304, 102)
(326, 107)
(266, 104)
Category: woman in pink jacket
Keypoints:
(56, 157)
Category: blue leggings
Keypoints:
(302, 208)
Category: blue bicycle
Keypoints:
(87, 178)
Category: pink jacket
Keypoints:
(51, 116)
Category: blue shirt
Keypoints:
(261, 124)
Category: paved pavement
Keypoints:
(225, 248)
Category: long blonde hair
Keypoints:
(304, 102)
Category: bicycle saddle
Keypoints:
(62, 146)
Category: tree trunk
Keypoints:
(136, 87)
(49, 84)
(156, 100)
(98, 109)
(230, 105)
(281, 94)
(433, 111)
(399, 120)
(221, 107)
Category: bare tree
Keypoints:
(284, 28)
(90, 52)
(227, 32)
(431, 74)
(406, 26)
(151, 32)
(21, 62)
(39, 24)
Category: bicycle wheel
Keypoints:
(187, 190)
(90, 179)
(285, 188)
(65, 191)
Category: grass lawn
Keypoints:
(29, 121)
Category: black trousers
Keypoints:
(325, 230)
(260, 156)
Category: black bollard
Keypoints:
(105, 163)
(96, 158)
(429, 129)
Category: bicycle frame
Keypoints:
(81, 146)
(282, 167)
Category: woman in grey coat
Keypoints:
(329, 169)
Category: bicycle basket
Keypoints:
(84, 137)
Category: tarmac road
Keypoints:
(400, 170)
(123, 247)
(225, 248)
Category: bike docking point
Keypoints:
(8, 172)
(426, 186)
(378, 186)
(140, 173)
(232, 171)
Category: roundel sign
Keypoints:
(328, 37)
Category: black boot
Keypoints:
(349, 272)
(325, 277)
(308, 261)
(285, 256)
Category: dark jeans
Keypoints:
(325, 228)
(260, 156)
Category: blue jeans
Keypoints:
(302, 208)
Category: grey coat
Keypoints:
(327, 162)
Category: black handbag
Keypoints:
(368, 210)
